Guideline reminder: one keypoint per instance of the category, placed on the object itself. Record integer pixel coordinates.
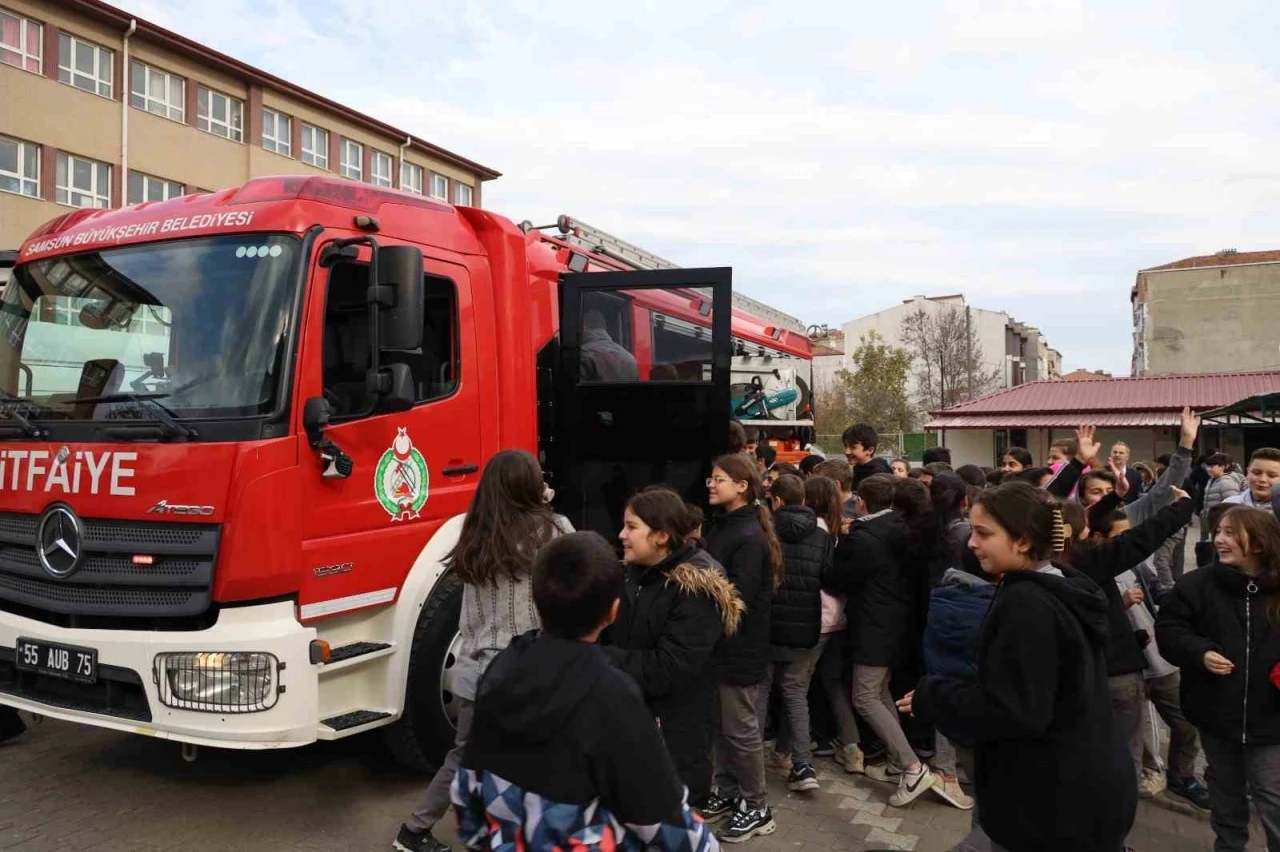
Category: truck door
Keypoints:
(639, 406)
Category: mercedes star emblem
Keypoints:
(58, 541)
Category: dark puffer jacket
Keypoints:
(1039, 709)
(1108, 559)
(737, 541)
(1218, 608)
(796, 617)
(870, 571)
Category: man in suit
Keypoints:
(1120, 463)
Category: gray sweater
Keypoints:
(491, 617)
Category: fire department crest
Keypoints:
(401, 480)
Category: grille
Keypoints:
(178, 583)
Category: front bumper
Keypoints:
(126, 695)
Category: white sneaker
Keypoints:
(911, 785)
(1151, 784)
(779, 762)
(851, 758)
(949, 790)
(885, 772)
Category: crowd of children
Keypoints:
(1006, 629)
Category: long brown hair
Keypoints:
(507, 522)
(1260, 533)
(822, 495)
(739, 468)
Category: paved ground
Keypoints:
(66, 787)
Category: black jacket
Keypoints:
(871, 468)
(736, 541)
(1105, 561)
(559, 727)
(1210, 610)
(670, 620)
(870, 570)
(796, 609)
(1135, 485)
(1041, 714)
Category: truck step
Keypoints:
(355, 649)
(354, 719)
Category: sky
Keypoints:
(841, 157)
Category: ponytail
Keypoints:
(777, 567)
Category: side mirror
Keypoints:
(394, 387)
(315, 417)
(400, 271)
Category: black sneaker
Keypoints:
(826, 748)
(717, 806)
(417, 841)
(1190, 790)
(802, 779)
(746, 824)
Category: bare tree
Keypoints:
(947, 357)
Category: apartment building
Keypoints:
(1208, 314)
(99, 108)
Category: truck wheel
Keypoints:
(425, 731)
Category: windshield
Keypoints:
(198, 323)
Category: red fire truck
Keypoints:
(239, 431)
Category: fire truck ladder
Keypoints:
(601, 242)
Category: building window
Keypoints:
(21, 42)
(351, 162)
(380, 169)
(19, 167)
(147, 188)
(158, 92)
(82, 182)
(440, 187)
(221, 115)
(84, 65)
(462, 194)
(276, 130)
(411, 178)
(315, 146)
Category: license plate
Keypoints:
(64, 661)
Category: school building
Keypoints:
(102, 109)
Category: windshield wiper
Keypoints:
(160, 413)
(19, 420)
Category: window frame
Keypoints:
(148, 179)
(282, 145)
(207, 122)
(444, 196)
(458, 187)
(172, 81)
(70, 71)
(344, 169)
(319, 154)
(455, 331)
(414, 187)
(23, 50)
(20, 174)
(374, 177)
(69, 189)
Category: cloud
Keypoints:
(1032, 154)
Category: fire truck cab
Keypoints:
(239, 432)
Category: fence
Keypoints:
(904, 445)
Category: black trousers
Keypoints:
(688, 725)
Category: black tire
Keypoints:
(424, 733)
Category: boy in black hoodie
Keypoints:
(562, 751)
(860, 441)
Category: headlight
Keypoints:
(216, 682)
